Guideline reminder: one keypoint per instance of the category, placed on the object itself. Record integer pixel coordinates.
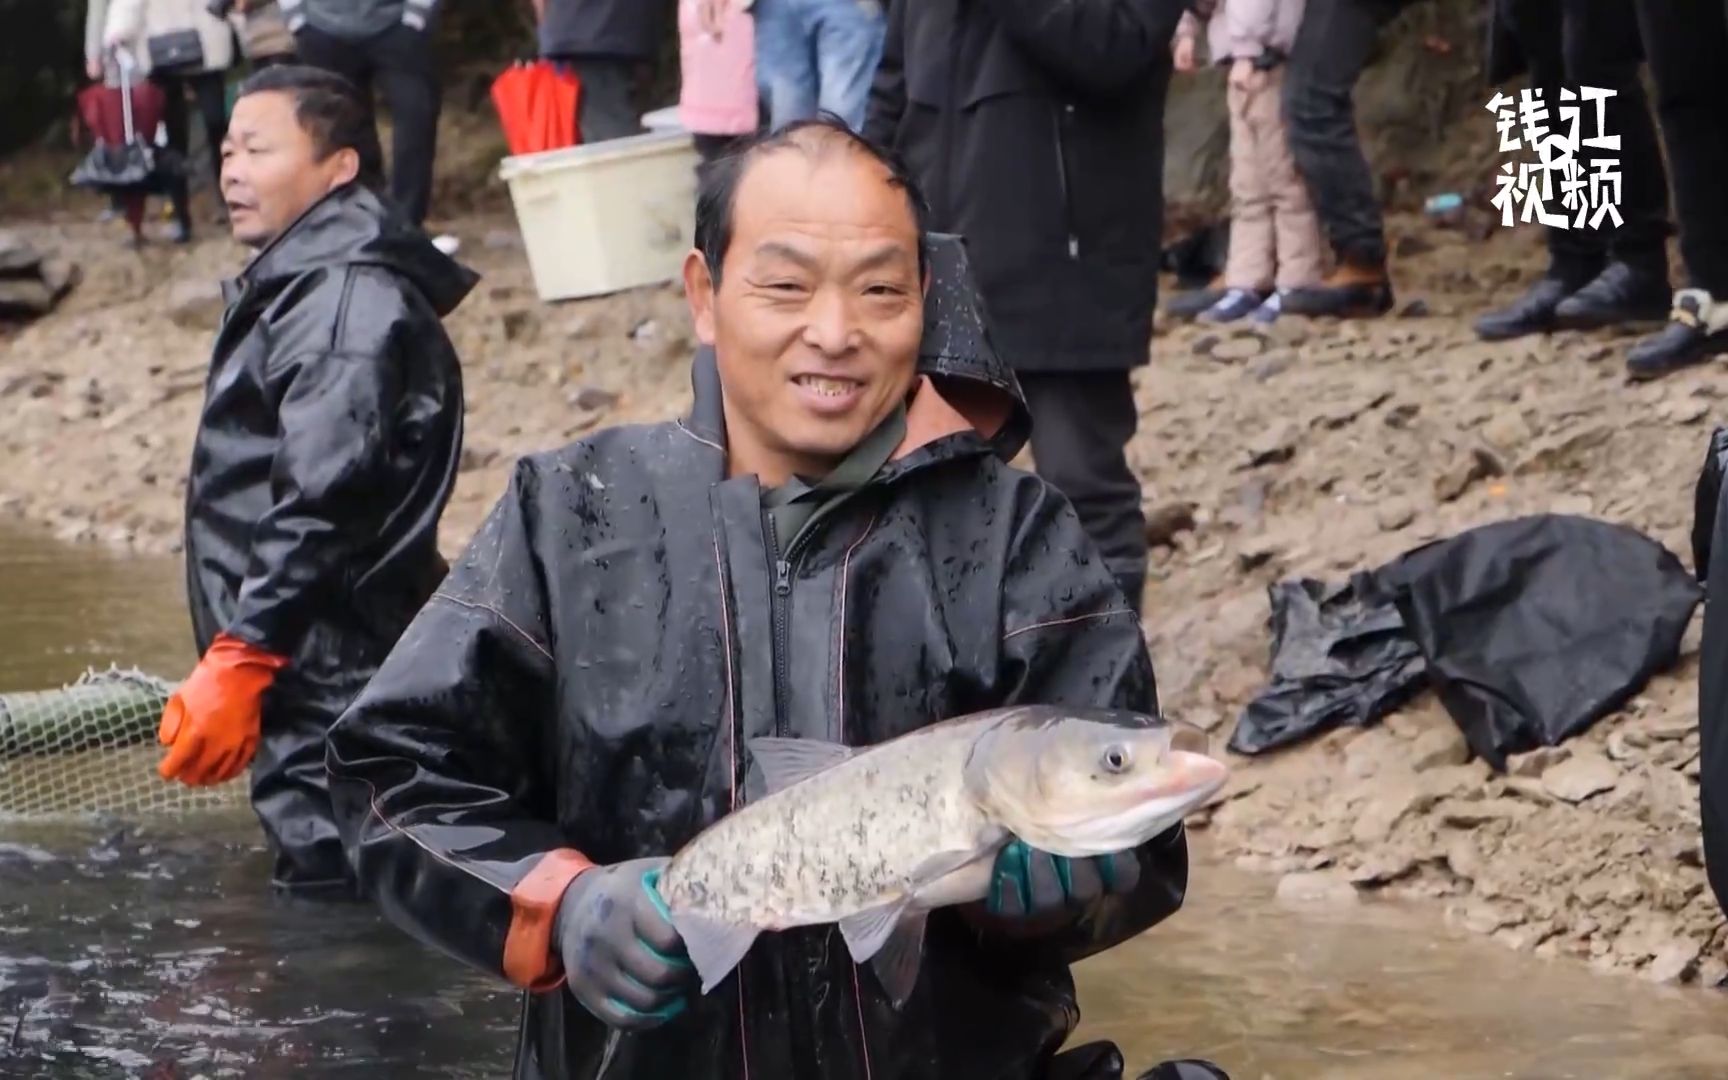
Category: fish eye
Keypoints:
(1116, 759)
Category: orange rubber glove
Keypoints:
(212, 722)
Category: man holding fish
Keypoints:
(802, 737)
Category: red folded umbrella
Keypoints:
(536, 106)
(102, 111)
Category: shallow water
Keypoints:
(153, 948)
(64, 609)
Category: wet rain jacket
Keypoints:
(621, 625)
(326, 451)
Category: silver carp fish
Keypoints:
(874, 838)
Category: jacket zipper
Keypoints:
(779, 603)
(1061, 116)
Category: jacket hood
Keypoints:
(352, 226)
(956, 357)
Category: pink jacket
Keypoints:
(1243, 29)
(718, 92)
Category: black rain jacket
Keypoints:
(1037, 132)
(618, 630)
(328, 446)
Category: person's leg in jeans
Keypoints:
(786, 61)
(350, 61)
(1331, 49)
(848, 37)
(210, 91)
(408, 81)
(606, 104)
(175, 120)
(1081, 424)
(1575, 256)
(1601, 46)
(1685, 41)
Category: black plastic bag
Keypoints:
(1340, 655)
(1535, 628)
(1705, 499)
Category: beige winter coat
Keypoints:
(137, 21)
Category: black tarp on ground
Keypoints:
(1707, 535)
(1338, 657)
(1531, 630)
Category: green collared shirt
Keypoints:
(795, 504)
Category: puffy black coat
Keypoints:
(1036, 130)
(621, 29)
(618, 629)
(328, 445)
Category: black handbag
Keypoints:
(181, 50)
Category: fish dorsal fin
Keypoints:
(896, 965)
(785, 762)
(714, 947)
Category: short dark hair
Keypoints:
(718, 180)
(326, 105)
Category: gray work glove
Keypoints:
(1030, 884)
(622, 958)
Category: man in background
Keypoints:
(1597, 276)
(325, 453)
(388, 42)
(606, 43)
(1037, 131)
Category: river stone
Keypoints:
(1463, 814)
(1317, 888)
(1673, 961)
(1580, 777)
(1384, 867)
(1439, 747)
(196, 305)
(1537, 761)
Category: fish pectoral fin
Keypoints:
(868, 930)
(714, 947)
(897, 962)
(785, 762)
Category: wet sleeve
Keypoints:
(888, 88)
(1070, 638)
(333, 421)
(1097, 45)
(440, 771)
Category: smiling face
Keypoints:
(271, 169)
(819, 310)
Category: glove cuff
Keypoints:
(529, 959)
(230, 651)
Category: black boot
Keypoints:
(1358, 288)
(1621, 293)
(1185, 1069)
(1532, 313)
(1697, 330)
(1191, 302)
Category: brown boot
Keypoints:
(1355, 290)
